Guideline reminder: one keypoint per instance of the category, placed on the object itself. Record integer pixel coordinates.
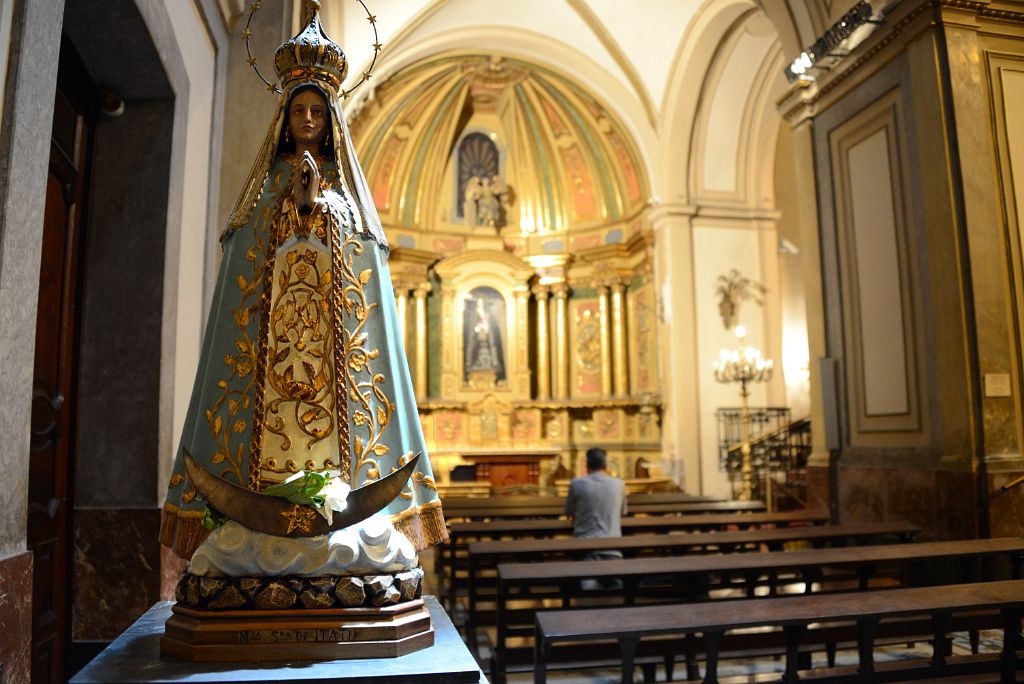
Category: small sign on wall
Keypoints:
(997, 384)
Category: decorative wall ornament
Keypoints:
(588, 343)
(733, 290)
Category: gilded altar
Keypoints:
(522, 263)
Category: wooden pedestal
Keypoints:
(318, 634)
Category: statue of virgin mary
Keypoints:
(302, 364)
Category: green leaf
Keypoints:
(212, 518)
(301, 488)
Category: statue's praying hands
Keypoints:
(306, 183)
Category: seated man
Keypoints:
(597, 502)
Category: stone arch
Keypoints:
(533, 47)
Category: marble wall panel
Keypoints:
(819, 488)
(861, 495)
(121, 316)
(940, 502)
(117, 570)
(911, 495)
(957, 504)
(1006, 509)
(16, 618)
(171, 568)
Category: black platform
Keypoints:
(135, 657)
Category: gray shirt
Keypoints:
(596, 502)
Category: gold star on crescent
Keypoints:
(247, 34)
(345, 94)
(372, 19)
(255, 5)
(366, 74)
(251, 61)
(299, 519)
(272, 87)
(377, 46)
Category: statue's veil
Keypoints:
(354, 188)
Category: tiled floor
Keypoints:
(990, 642)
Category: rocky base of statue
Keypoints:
(283, 593)
(261, 619)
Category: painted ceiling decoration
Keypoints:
(568, 160)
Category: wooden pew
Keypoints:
(554, 507)
(460, 534)
(796, 566)
(800, 618)
(454, 501)
(484, 555)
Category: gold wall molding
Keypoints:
(906, 21)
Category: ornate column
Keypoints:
(619, 338)
(420, 381)
(543, 352)
(561, 342)
(606, 347)
(402, 304)
(522, 341)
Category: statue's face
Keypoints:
(307, 118)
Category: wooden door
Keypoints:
(53, 389)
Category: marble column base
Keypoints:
(117, 570)
(16, 617)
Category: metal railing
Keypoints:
(779, 448)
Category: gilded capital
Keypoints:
(421, 291)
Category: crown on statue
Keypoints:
(311, 55)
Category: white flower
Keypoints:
(335, 494)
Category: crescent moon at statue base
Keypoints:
(280, 517)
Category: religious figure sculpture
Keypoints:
(302, 420)
(474, 190)
(486, 202)
(483, 351)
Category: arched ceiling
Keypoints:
(568, 160)
(637, 44)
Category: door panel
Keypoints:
(52, 442)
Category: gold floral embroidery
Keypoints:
(223, 416)
(300, 356)
(365, 385)
(338, 309)
(418, 479)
